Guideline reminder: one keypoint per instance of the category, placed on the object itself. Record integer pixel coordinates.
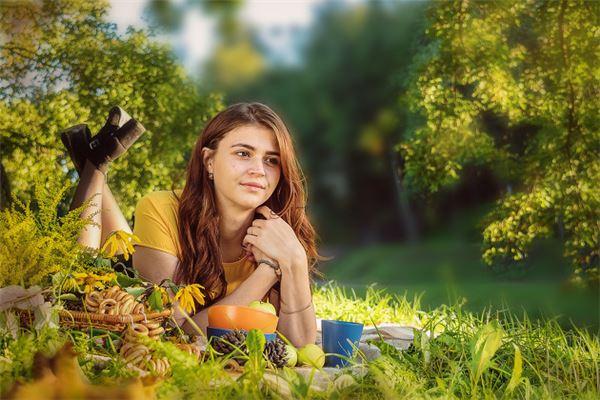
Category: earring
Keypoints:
(211, 176)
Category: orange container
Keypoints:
(240, 317)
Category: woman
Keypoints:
(238, 227)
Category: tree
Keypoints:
(514, 85)
(63, 64)
(341, 104)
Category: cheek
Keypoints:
(274, 178)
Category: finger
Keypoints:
(267, 212)
(253, 230)
(249, 239)
(261, 223)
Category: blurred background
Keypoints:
(435, 136)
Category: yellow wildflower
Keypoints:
(91, 281)
(163, 294)
(188, 296)
(108, 277)
(70, 284)
(119, 240)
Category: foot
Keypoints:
(118, 134)
(107, 146)
(76, 139)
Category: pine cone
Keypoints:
(230, 342)
(276, 352)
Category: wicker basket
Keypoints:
(114, 323)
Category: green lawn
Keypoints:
(445, 270)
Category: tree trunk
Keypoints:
(408, 222)
(4, 188)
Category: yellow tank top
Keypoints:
(155, 224)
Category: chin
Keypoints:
(249, 204)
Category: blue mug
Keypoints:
(340, 337)
(218, 332)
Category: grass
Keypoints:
(455, 354)
(443, 270)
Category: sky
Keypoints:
(278, 23)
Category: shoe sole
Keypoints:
(67, 140)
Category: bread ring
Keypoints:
(140, 351)
(127, 306)
(152, 325)
(126, 348)
(139, 308)
(92, 301)
(138, 329)
(120, 295)
(111, 292)
(156, 332)
(107, 305)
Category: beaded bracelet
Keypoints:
(272, 264)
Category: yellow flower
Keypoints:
(108, 277)
(91, 281)
(70, 284)
(119, 240)
(163, 294)
(188, 296)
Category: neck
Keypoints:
(233, 226)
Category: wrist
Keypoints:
(267, 271)
(274, 265)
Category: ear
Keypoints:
(207, 159)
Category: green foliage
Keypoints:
(207, 380)
(484, 345)
(35, 242)
(511, 85)
(333, 302)
(16, 355)
(70, 68)
(490, 355)
(340, 103)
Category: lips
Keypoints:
(254, 185)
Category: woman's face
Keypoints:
(246, 166)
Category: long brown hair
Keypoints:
(198, 228)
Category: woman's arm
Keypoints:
(155, 265)
(255, 287)
(297, 319)
(274, 239)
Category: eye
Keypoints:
(273, 160)
(242, 153)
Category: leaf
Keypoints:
(45, 316)
(515, 378)
(10, 323)
(255, 342)
(483, 347)
(17, 297)
(135, 291)
(68, 296)
(155, 299)
(126, 281)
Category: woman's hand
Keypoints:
(275, 239)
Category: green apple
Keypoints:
(264, 307)
(291, 356)
(312, 355)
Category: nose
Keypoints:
(257, 167)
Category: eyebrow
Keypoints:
(247, 146)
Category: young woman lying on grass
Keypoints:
(238, 227)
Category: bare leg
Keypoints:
(112, 217)
(91, 183)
